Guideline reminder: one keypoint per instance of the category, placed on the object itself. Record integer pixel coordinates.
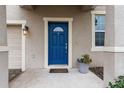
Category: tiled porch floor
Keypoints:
(41, 78)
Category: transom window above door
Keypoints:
(58, 29)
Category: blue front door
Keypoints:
(57, 43)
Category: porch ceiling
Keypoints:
(83, 8)
(28, 7)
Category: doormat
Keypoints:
(58, 71)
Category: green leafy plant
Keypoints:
(85, 59)
(119, 83)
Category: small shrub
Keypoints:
(85, 59)
(119, 83)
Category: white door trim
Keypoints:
(22, 23)
(56, 19)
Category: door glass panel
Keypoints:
(58, 29)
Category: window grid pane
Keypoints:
(99, 38)
(100, 23)
(99, 30)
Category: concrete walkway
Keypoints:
(41, 78)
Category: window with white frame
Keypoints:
(98, 30)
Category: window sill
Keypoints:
(95, 49)
(108, 49)
(3, 48)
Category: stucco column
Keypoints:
(3, 49)
(114, 42)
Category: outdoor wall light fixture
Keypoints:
(25, 30)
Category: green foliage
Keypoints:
(85, 59)
(119, 83)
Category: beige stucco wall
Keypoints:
(3, 34)
(119, 39)
(114, 39)
(3, 69)
(81, 35)
(3, 54)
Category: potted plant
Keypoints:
(84, 62)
